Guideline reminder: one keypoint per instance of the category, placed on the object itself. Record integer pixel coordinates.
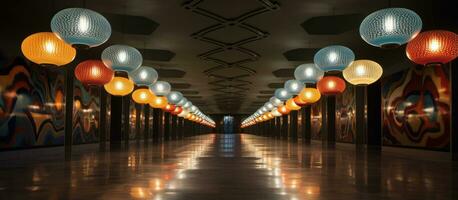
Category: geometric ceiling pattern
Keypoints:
(229, 52)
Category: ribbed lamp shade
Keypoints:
(433, 47)
(158, 102)
(119, 86)
(308, 73)
(45, 48)
(362, 72)
(299, 101)
(309, 95)
(161, 88)
(142, 96)
(174, 97)
(177, 110)
(269, 105)
(331, 85)
(169, 108)
(144, 76)
(276, 113)
(182, 101)
(282, 94)
(275, 101)
(390, 27)
(293, 86)
(80, 26)
(93, 72)
(187, 105)
(291, 105)
(333, 58)
(122, 58)
(284, 110)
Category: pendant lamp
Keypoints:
(122, 58)
(80, 26)
(142, 95)
(333, 58)
(282, 94)
(169, 108)
(158, 102)
(161, 88)
(433, 47)
(291, 105)
(309, 95)
(293, 86)
(331, 85)
(363, 72)
(46, 49)
(390, 27)
(284, 110)
(299, 101)
(144, 76)
(120, 85)
(177, 110)
(308, 73)
(93, 72)
(174, 97)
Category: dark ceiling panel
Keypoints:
(284, 73)
(157, 54)
(170, 73)
(275, 85)
(189, 92)
(131, 24)
(267, 91)
(331, 25)
(301, 54)
(180, 85)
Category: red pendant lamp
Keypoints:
(284, 110)
(433, 47)
(93, 72)
(169, 108)
(177, 110)
(331, 85)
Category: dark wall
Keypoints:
(218, 118)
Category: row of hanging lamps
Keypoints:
(47, 49)
(331, 85)
(81, 27)
(308, 73)
(93, 72)
(390, 27)
(363, 72)
(143, 77)
(333, 58)
(433, 47)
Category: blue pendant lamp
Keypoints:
(282, 94)
(80, 26)
(144, 76)
(161, 88)
(122, 58)
(293, 86)
(390, 27)
(308, 73)
(174, 97)
(333, 58)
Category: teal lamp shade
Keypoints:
(282, 94)
(275, 101)
(333, 58)
(182, 101)
(187, 105)
(174, 97)
(144, 76)
(293, 86)
(161, 88)
(308, 73)
(390, 27)
(80, 26)
(122, 58)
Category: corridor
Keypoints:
(225, 166)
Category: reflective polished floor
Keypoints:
(219, 167)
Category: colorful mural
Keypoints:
(85, 113)
(31, 105)
(316, 118)
(416, 105)
(345, 116)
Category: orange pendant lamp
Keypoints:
(177, 110)
(93, 72)
(169, 107)
(299, 101)
(331, 85)
(433, 47)
(284, 110)
(291, 105)
(45, 48)
(158, 102)
(142, 95)
(309, 95)
(120, 85)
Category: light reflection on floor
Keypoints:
(229, 167)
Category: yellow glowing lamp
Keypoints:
(45, 48)
(310, 95)
(291, 105)
(142, 95)
(158, 102)
(362, 72)
(119, 86)
(270, 115)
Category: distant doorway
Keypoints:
(228, 122)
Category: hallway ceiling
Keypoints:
(227, 56)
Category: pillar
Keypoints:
(173, 127)
(307, 124)
(146, 135)
(360, 101)
(102, 119)
(374, 116)
(328, 121)
(166, 126)
(293, 126)
(116, 123)
(126, 120)
(284, 127)
(156, 124)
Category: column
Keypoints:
(328, 124)
(293, 126)
(146, 134)
(284, 127)
(166, 126)
(156, 124)
(116, 123)
(307, 124)
(374, 116)
(103, 119)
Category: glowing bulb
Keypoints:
(434, 45)
(308, 94)
(332, 57)
(143, 95)
(122, 56)
(143, 75)
(309, 72)
(389, 24)
(50, 47)
(119, 85)
(331, 84)
(95, 72)
(83, 24)
(360, 70)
